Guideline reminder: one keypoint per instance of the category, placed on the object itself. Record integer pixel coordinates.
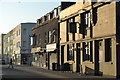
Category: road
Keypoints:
(35, 73)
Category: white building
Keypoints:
(17, 44)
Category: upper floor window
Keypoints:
(8, 39)
(8, 48)
(19, 32)
(24, 31)
(49, 37)
(45, 18)
(39, 39)
(51, 15)
(59, 9)
(45, 37)
(71, 25)
(54, 38)
(55, 12)
(87, 19)
(33, 40)
(24, 43)
(18, 44)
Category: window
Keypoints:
(18, 45)
(49, 37)
(45, 37)
(24, 43)
(87, 19)
(11, 47)
(31, 39)
(45, 18)
(38, 21)
(71, 25)
(19, 32)
(8, 39)
(48, 16)
(54, 38)
(87, 51)
(70, 55)
(59, 9)
(39, 39)
(8, 48)
(11, 37)
(55, 12)
(51, 15)
(24, 31)
(108, 50)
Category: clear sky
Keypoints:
(14, 12)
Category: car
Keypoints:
(2, 61)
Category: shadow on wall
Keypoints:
(90, 71)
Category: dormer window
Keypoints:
(45, 18)
(51, 15)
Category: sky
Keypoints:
(14, 12)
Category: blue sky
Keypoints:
(14, 12)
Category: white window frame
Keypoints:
(87, 49)
(49, 36)
(87, 19)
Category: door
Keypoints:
(62, 55)
(98, 56)
(78, 57)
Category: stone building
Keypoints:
(45, 38)
(90, 38)
(8, 46)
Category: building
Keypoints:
(8, 46)
(1, 46)
(89, 38)
(45, 37)
(17, 44)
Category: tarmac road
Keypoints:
(35, 73)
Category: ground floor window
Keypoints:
(87, 51)
(35, 57)
(70, 51)
(108, 50)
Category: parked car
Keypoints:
(2, 61)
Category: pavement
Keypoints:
(32, 73)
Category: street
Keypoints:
(34, 73)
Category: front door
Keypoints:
(78, 57)
(98, 56)
(62, 55)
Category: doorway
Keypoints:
(62, 55)
(78, 57)
(98, 56)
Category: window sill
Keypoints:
(88, 28)
(88, 62)
(110, 62)
(70, 62)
